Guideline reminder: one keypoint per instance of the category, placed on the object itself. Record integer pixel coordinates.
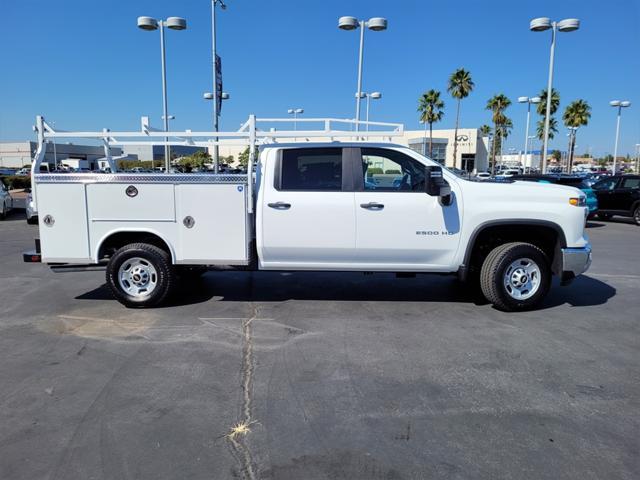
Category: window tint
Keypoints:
(391, 171)
(608, 184)
(631, 183)
(312, 169)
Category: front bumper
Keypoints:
(574, 262)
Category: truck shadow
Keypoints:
(349, 287)
(276, 287)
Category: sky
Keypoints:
(85, 65)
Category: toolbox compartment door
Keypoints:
(62, 217)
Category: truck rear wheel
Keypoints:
(515, 276)
(140, 275)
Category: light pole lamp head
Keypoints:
(523, 99)
(147, 23)
(568, 24)
(377, 24)
(348, 23)
(208, 96)
(614, 103)
(535, 100)
(299, 110)
(176, 23)
(224, 96)
(540, 24)
(376, 95)
(625, 103)
(361, 95)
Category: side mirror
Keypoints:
(435, 184)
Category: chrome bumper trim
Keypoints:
(576, 260)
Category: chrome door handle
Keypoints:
(372, 206)
(280, 205)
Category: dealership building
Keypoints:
(20, 154)
(471, 154)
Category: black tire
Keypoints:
(33, 220)
(3, 211)
(159, 272)
(636, 216)
(604, 216)
(495, 268)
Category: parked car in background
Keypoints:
(568, 180)
(30, 208)
(23, 172)
(6, 201)
(619, 195)
(483, 175)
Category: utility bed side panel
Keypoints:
(139, 202)
(64, 235)
(212, 224)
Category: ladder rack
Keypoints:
(247, 135)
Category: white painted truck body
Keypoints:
(414, 232)
(258, 222)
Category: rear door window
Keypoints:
(311, 169)
(631, 183)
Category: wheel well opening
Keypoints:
(545, 237)
(118, 240)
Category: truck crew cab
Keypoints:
(315, 206)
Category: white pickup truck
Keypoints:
(320, 206)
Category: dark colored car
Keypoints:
(619, 195)
(568, 180)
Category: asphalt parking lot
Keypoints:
(319, 376)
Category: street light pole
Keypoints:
(375, 96)
(174, 23)
(351, 23)
(295, 112)
(216, 112)
(528, 101)
(539, 25)
(167, 151)
(620, 105)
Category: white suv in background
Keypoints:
(6, 201)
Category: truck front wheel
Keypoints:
(515, 276)
(140, 275)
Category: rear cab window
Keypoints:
(311, 169)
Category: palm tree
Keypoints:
(555, 102)
(577, 114)
(430, 108)
(504, 129)
(460, 86)
(497, 104)
(553, 129)
(485, 130)
(542, 110)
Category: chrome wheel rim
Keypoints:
(137, 277)
(521, 279)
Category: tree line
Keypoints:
(460, 85)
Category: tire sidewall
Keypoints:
(513, 254)
(160, 261)
(636, 216)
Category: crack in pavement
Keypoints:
(237, 434)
